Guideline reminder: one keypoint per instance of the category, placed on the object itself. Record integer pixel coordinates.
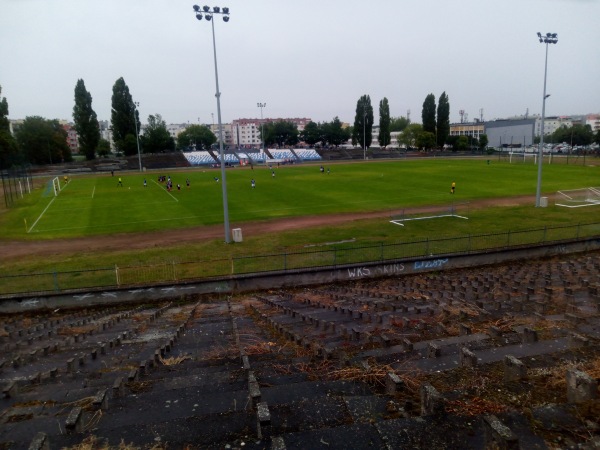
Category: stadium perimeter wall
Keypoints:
(290, 279)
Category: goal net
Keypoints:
(456, 210)
(577, 198)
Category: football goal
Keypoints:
(56, 186)
(456, 210)
(577, 198)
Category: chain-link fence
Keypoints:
(174, 272)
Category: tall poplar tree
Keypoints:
(86, 121)
(9, 151)
(124, 119)
(428, 114)
(443, 119)
(385, 136)
(363, 122)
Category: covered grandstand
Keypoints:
(201, 158)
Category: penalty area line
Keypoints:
(43, 212)
(161, 188)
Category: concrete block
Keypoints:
(433, 350)
(467, 358)
(74, 422)
(100, 400)
(432, 402)
(514, 369)
(498, 435)
(393, 384)
(580, 387)
(40, 442)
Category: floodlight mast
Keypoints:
(208, 15)
(137, 136)
(549, 38)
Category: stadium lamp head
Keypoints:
(225, 18)
(225, 10)
(216, 9)
(197, 8)
(205, 8)
(199, 17)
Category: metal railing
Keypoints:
(176, 272)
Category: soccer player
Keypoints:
(120, 183)
(452, 187)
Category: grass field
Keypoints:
(95, 205)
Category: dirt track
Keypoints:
(133, 241)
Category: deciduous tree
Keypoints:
(43, 141)
(311, 133)
(9, 150)
(86, 121)
(483, 141)
(196, 137)
(4, 122)
(426, 140)
(384, 137)
(398, 123)
(156, 137)
(333, 133)
(577, 134)
(103, 147)
(281, 133)
(408, 138)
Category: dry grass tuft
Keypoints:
(476, 406)
(173, 361)
(93, 443)
(72, 331)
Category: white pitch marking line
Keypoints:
(38, 219)
(174, 198)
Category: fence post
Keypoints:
(508, 238)
(545, 229)
(285, 261)
(381, 251)
(469, 245)
(578, 227)
(427, 247)
(55, 280)
(174, 275)
(334, 257)
(231, 260)
(117, 275)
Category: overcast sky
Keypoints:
(303, 58)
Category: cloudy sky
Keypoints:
(303, 58)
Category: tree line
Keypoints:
(42, 141)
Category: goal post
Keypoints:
(455, 210)
(577, 198)
(56, 186)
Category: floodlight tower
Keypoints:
(208, 13)
(549, 38)
(137, 136)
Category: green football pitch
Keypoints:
(94, 205)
